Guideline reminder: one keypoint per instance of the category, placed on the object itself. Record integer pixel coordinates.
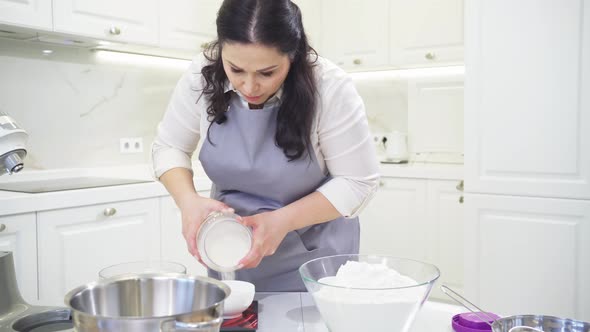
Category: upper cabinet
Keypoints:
(425, 32)
(26, 13)
(311, 11)
(386, 34)
(133, 21)
(188, 24)
(354, 35)
(527, 118)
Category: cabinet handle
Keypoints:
(461, 199)
(115, 31)
(460, 186)
(2, 227)
(357, 61)
(109, 212)
(430, 56)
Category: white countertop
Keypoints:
(421, 170)
(296, 312)
(16, 202)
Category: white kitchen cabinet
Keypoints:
(131, 21)
(527, 156)
(527, 104)
(188, 24)
(394, 222)
(26, 13)
(528, 255)
(18, 235)
(311, 12)
(435, 117)
(353, 34)
(425, 32)
(419, 219)
(444, 214)
(76, 243)
(173, 244)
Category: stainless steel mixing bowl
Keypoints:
(149, 302)
(540, 322)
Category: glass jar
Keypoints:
(223, 241)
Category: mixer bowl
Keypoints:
(368, 308)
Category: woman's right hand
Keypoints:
(194, 210)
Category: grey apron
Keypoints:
(251, 174)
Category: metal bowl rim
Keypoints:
(544, 317)
(147, 275)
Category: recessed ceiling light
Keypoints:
(47, 52)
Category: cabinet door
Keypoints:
(394, 222)
(528, 255)
(133, 21)
(26, 13)
(173, 243)
(311, 12)
(527, 105)
(188, 24)
(435, 119)
(75, 244)
(354, 35)
(18, 234)
(425, 32)
(445, 218)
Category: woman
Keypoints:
(283, 136)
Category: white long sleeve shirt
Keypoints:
(340, 134)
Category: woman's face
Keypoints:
(255, 70)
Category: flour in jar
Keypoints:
(226, 244)
(368, 297)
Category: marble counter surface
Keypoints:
(296, 312)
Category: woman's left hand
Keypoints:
(267, 235)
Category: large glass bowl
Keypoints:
(347, 309)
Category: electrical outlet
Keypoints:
(131, 145)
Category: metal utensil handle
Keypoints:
(206, 326)
(488, 316)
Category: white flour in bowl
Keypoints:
(373, 307)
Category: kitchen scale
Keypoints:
(18, 316)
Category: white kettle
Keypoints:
(396, 147)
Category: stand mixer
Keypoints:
(16, 315)
(12, 145)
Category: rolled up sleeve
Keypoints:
(178, 133)
(346, 144)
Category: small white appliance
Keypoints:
(12, 145)
(396, 147)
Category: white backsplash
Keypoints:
(76, 104)
(426, 103)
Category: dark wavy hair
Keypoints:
(273, 23)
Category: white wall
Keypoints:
(76, 105)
